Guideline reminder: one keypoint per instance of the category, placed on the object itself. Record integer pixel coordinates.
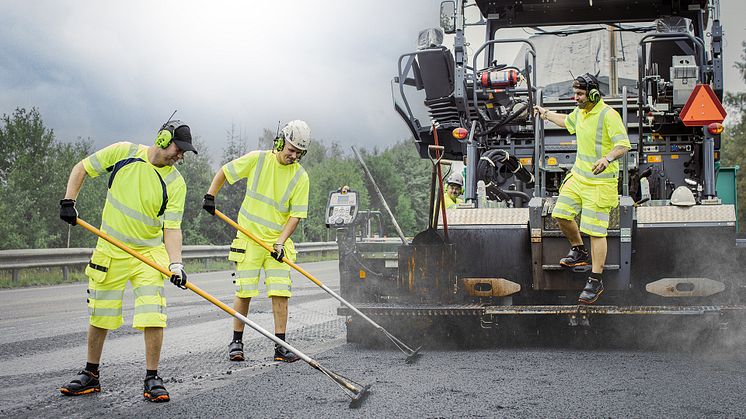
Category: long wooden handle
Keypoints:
(155, 266)
(266, 246)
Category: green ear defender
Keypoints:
(594, 95)
(591, 86)
(279, 143)
(165, 135)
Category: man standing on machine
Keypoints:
(591, 186)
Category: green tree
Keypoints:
(31, 182)
(734, 139)
(327, 172)
(198, 226)
(401, 175)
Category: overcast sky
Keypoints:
(114, 70)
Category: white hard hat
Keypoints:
(683, 197)
(297, 133)
(456, 179)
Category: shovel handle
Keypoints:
(266, 246)
(438, 149)
(154, 265)
(353, 390)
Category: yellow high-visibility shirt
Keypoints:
(598, 131)
(135, 197)
(274, 193)
(450, 202)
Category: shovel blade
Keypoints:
(359, 397)
(414, 356)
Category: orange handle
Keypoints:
(155, 266)
(264, 245)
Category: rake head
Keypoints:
(359, 397)
(414, 356)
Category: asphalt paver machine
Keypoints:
(501, 256)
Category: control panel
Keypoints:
(341, 208)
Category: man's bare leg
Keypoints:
(241, 305)
(571, 231)
(598, 254)
(280, 313)
(96, 338)
(153, 344)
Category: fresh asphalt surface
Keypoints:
(42, 346)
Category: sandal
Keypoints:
(86, 382)
(155, 391)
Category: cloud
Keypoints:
(115, 70)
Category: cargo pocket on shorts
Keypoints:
(562, 184)
(608, 196)
(98, 267)
(238, 250)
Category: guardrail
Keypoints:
(16, 260)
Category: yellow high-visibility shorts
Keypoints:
(593, 202)
(250, 259)
(107, 278)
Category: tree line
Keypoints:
(35, 165)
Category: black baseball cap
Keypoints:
(183, 139)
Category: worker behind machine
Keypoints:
(454, 190)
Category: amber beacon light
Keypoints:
(460, 133)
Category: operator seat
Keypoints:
(434, 70)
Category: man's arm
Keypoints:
(289, 229)
(601, 164)
(208, 203)
(217, 183)
(75, 181)
(172, 241)
(547, 115)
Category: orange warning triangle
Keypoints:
(702, 108)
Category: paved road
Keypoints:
(42, 345)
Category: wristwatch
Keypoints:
(608, 159)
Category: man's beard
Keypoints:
(586, 104)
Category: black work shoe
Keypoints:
(576, 257)
(154, 390)
(284, 355)
(86, 382)
(235, 351)
(593, 289)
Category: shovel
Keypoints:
(355, 391)
(412, 354)
(431, 236)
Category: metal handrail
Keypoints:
(16, 259)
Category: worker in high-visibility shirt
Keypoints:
(276, 200)
(143, 209)
(454, 190)
(591, 186)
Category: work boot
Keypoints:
(154, 390)
(235, 351)
(86, 382)
(284, 355)
(576, 257)
(591, 292)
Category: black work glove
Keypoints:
(179, 277)
(68, 213)
(208, 203)
(279, 252)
